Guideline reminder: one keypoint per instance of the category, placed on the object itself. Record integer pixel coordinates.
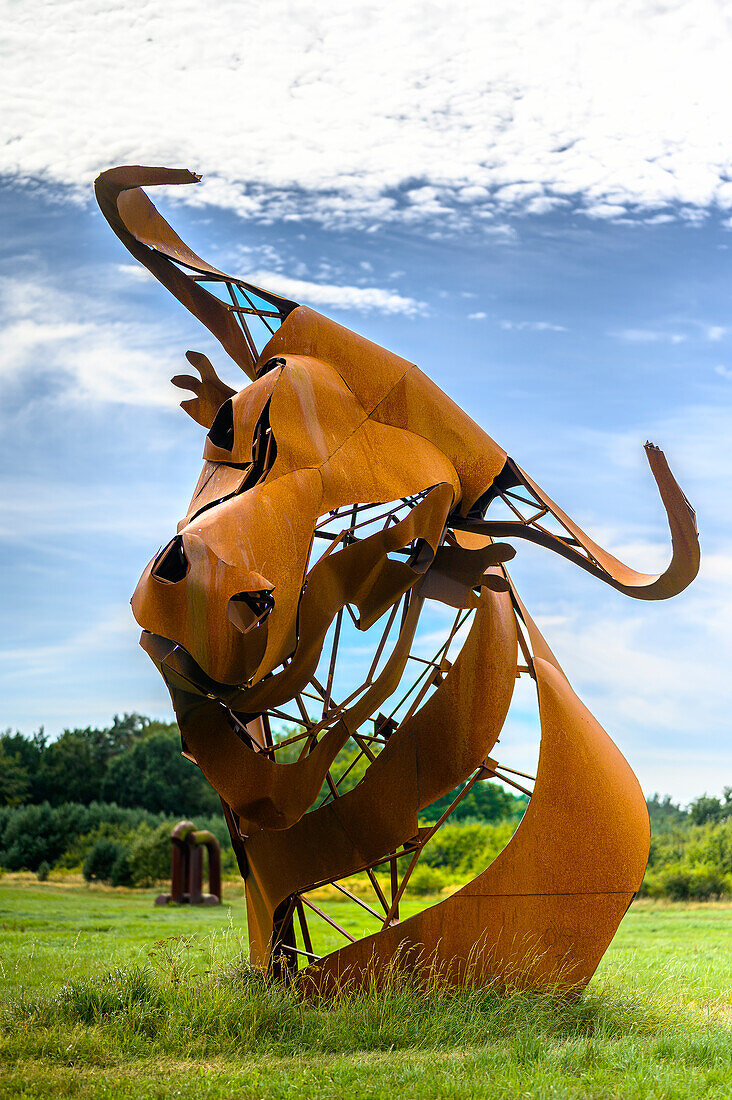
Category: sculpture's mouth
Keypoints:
(180, 669)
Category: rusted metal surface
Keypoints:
(342, 489)
(186, 867)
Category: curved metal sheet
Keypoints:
(427, 756)
(544, 912)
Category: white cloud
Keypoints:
(532, 326)
(652, 673)
(648, 336)
(136, 272)
(479, 316)
(364, 299)
(696, 330)
(724, 372)
(607, 210)
(361, 113)
(94, 359)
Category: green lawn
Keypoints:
(106, 995)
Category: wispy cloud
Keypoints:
(674, 330)
(539, 107)
(38, 511)
(39, 661)
(531, 326)
(363, 299)
(640, 663)
(96, 358)
(648, 336)
(479, 316)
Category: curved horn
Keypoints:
(147, 235)
(577, 547)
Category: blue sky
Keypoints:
(538, 213)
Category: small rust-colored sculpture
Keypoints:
(186, 867)
(343, 486)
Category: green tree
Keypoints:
(664, 813)
(69, 771)
(153, 774)
(102, 860)
(705, 809)
(485, 802)
(150, 855)
(109, 741)
(14, 781)
(33, 834)
(23, 755)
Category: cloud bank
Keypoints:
(362, 113)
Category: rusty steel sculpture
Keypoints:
(186, 867)
(342, 489)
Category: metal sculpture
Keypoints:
(186, 867)
(341, 485)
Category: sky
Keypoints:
(531, 202)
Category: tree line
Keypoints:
(135, 762)
(104, 800)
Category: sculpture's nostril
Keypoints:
(249, 609)
(171, 564)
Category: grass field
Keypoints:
(106, 996)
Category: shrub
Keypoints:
(454, 846)
(426, 880)
(698, 883)
(496, 837)
(43, 871)
(100, 862)
(80, 846)
(63, 835)
(149, 855)
(32, 835)
(121, 871)
(467, 849)
(714, 846)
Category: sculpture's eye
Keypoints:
(221, 432)
(271, 364)
(171, 564)
(264, 451)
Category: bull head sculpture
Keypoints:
(341, 480)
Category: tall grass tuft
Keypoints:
(169, 1008)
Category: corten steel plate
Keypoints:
(342, 489)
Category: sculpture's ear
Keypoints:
(147, 235)
(572, 542)
(210, 391)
